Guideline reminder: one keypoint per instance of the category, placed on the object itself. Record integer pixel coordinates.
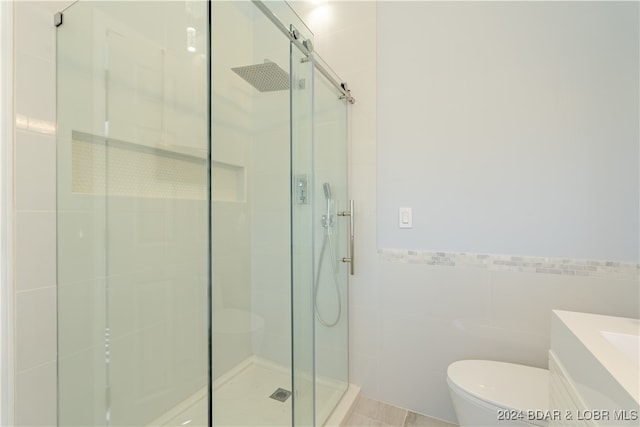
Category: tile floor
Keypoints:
(371, 413)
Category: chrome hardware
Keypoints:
(302, 194)
(293, 34)
(351, 214)
(347, 93)
(308, 44)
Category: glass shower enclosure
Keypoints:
(202, 217)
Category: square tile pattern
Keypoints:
(368, 412)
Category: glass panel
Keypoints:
(133, 213)
(252, 218)
(303, 216)
(81, 243)
(331, 245)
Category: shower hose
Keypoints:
(336, 282)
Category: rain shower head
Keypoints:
(267, 77)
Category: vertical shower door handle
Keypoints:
(351, 214)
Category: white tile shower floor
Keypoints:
(241, 398)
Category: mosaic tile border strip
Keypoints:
(494, 262)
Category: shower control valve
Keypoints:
(301, 192)
(327, 221)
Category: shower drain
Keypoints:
(280, 395)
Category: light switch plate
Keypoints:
(405, 217)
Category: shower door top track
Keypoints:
(307, 48)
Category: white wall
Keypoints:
(414, 310)
(510, 128)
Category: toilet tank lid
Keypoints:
(507, 385)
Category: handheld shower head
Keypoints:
(327, 190)
(326, 218)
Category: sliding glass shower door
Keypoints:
(198, 283)
(251, 221)
(332, 231)
(279, 187)
(321, 226)
(133, 213)
(262, 217)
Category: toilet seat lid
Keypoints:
(507, 385)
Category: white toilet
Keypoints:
(490, 393)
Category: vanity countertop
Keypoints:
(602, 355)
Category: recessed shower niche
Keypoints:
(102, 165)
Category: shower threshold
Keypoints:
(242, 398)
